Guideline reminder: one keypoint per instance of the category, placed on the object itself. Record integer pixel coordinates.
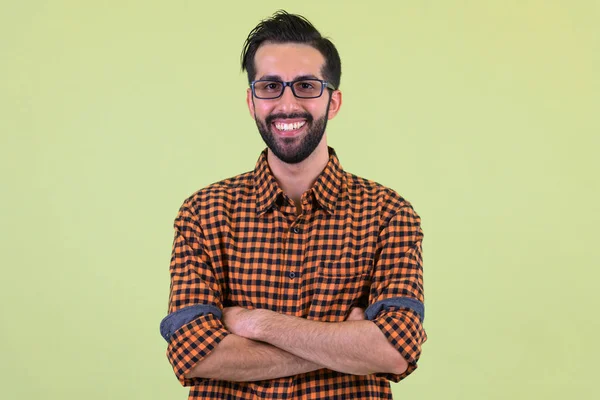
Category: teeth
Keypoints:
(289, 127)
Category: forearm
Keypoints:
(354, 347)
(240, 359)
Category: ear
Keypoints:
(250, 102)
(334, 104)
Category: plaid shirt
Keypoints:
(241, 242)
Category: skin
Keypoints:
(264, 344)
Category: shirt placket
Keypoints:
(293, 254)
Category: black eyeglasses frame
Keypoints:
(324, 84)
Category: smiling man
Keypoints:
(297, 279)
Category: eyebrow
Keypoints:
(278, 78)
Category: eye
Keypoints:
(306, 85)
(271, 86)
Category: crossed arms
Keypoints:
(267, 345)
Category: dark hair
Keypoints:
(291, 28)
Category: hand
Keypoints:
(237, 320)
(356, 314)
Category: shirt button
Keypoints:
(296, 229)
(292, 275)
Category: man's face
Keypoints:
(292, 128)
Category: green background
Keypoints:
(483, 114)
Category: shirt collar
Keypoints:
(326, 188)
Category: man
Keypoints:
(297, 279)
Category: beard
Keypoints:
(293, 150)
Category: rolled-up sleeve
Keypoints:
(396, 299)
(193, 326)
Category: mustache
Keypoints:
(269, 120)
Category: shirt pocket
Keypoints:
(339, 286)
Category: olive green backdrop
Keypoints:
(483, 114)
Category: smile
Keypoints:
(289, 127)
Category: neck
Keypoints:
(296, 179)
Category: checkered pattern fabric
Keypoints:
(241, 242)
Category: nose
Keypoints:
(288, 103)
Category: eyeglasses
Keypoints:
(302, 88)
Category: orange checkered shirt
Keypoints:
(240, 242)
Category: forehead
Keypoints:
(288, 60)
